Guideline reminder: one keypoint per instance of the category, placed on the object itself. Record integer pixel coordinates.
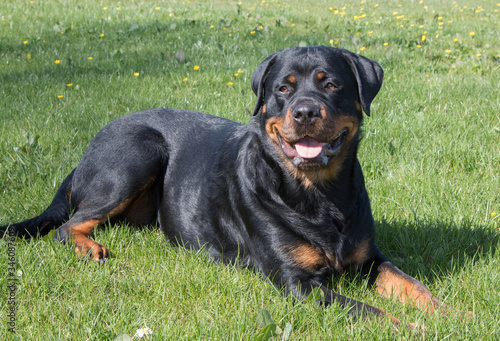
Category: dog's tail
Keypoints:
(54, 216)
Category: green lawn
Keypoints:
(430, 154)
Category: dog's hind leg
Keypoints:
(118, 178)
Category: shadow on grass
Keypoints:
(433, 248)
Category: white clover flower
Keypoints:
(143, 332)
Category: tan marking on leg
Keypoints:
(79, 236)
(393, 282)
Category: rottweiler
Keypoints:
(284, 193)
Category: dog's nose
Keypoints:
(305, 114)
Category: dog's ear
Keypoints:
(369, 75)
(259, 77)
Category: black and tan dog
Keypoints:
(284, 193)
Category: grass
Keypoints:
(430, 156)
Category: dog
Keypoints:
(284, 193)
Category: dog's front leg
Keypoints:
(391, 282)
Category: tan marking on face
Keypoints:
(274, 126)
(358, 106)
(312, 178)
(264, 108)
(287, 128)
(292, 79)
(320, 75)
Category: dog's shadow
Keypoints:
(433, 248)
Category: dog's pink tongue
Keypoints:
(308, 148)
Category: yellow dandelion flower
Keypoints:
(117, 8)
(419, 46)
(184, 79)
(426, 7)
(376, 5)
(448, 51)
(261, 27)
(471, 34)
(421, 26)
(196, 67)
(362, 48)
(394, 13)
(494, 214)
(422, 38)
(105, 8)
(437, 35)
(236, 74)
(212, 26)
(478, 54)
(89, 58)
(455, 40)
(169, 14)
(240, 71)
(25, 42)
(60, 96)
(57, 61)
(252, 32)
(102, 35)
(453, 67)
(293, 25)
(28, 56)
(136, 74)
(330, 8)
(69, 84)
(331, 41)
(229, 83)
(385, 44)
(157, 8)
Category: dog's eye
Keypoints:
(283, 88)
(330, 86)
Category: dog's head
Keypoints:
(310, 102)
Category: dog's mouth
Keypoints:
(311, 151)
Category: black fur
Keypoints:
(232, 189)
